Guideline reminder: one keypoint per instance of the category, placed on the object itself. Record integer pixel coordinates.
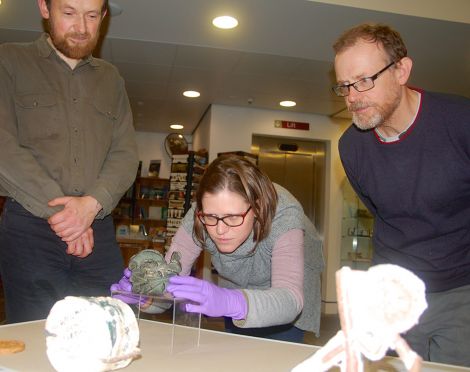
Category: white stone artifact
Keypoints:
(91, 334)
(375, 306)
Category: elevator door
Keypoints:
(300, 171)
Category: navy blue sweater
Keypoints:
(418, 189)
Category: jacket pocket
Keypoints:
(38, 117)
(106, 108)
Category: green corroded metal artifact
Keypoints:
(150, 271)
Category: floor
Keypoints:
(329, 326)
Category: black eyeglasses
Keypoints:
(361, 85)
(232, 220)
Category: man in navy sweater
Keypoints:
(407, 155)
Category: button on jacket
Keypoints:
(62, 131)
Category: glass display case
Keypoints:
(356, 231)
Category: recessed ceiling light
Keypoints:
(287, 103)
(191, 94)
(225, 22)
(176, 126)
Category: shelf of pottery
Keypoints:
(356, 231)
(186, 171)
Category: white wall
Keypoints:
(231, 129)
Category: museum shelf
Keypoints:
(140, 216)
(186, 172)
(356, 231)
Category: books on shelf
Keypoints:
(176, 204)
(175, 213)
(178, 177)
(181, 186)
(173, 222)
(171, 231)
(180, 158)
(179, 167)
(185, 174)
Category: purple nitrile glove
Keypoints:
(125, 285)
(213, 300)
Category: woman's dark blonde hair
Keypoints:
(377, 33)
(240, 176)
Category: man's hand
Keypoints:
(76, 217)
(83, 245)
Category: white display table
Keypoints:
(168, 348)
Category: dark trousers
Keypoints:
(443, 332)
(36, 271)
(285, 332)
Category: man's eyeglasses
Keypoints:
(232, 220)
(361, 85)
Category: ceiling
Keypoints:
(280, 50)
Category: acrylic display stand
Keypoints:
(186, 325)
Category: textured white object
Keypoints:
(91, 334)
(375, 306)
(382, 302)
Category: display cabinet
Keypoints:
(357, 230)
(140, 216)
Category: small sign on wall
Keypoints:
(291, 125)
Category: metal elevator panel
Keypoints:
(301, 172)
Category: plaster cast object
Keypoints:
(91, 334)
(375, 306)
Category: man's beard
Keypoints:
(73, 50)
(379, 115)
